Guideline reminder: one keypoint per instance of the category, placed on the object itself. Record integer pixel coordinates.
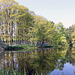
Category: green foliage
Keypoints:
(42, 31)
(71, 35)
(20, 48)
(62, 34)
(19, 23)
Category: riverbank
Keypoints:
(27, 47)
(21, 48)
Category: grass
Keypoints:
(25, 47)
(21, 48)
(11, 72)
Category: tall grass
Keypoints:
(11, 72)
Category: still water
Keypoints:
(53, 61)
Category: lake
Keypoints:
(51, 61)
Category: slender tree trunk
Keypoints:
(43, 42)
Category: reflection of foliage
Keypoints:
(70, 55)
(46, 61)
(35, 62)
(60, 63)
(42, 61)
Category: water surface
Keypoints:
(53, 61)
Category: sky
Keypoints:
(53, 10)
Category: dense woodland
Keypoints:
(18, 23)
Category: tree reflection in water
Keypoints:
(38, 62)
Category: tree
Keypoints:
(42, 31)
(71, 34)
(15, 20)
(24, 21)
(5, 18)
(62, 34)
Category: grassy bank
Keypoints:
(28, 47)
(20, 48)
(24, 47)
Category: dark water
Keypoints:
(39, 62)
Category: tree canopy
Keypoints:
(18, 23)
